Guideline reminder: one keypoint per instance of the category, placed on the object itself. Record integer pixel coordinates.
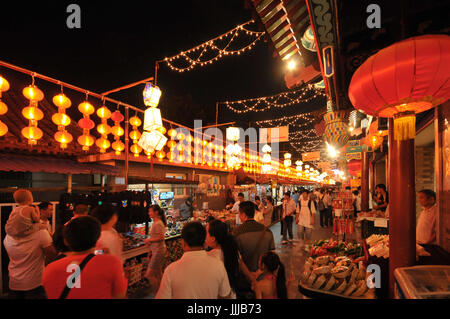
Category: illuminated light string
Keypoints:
(281, 100)
(211, 46)
(305, 120)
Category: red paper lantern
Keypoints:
(403, 79)
(86, 124)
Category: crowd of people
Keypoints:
(83, 258)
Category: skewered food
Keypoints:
(319, 282)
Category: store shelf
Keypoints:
(127, 254)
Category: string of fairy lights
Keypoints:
(281, 100)
(195, 57)
(295, 121)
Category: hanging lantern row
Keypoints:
(62, 120)
(32, 113)
(4, 86)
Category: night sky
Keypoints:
(120, 41)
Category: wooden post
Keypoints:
(127, 144)
(365, 182)
(402, 205)
(69, 183)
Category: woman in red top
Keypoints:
(102, 275)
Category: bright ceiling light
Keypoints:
(291, 65)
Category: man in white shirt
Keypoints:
(287, 217)
(235, 208)
(426, 224)
(196, 275)
(46, 210)
(27, 256)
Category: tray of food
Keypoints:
(335, 277)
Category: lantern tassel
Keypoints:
(404, 126)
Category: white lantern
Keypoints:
(267, 158)
(298, 163)
(151, 141)
(152, 119)
(299, 167)
(151, 94)
(287, 156)
(287, 163)
(233, 133)
(266, 148)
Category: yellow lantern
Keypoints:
(135, 149)
(3, 128)
(3, 108)
(64, 138)
(149, 154)
(62, 101)
(162, 130)
(104, 113)
(151, 94)
(135, 121)
(32, 133)
(171, 156)
(33, 93)
(172, 133)
(61, 119)
(32, 113)
(135, 135)
(103, 144)
(117, 130)
(171, 144)
(287, 156)
(86, 108)
(160, 155)
(86, 141)
(118, 146)
(190, 139)
(103, 129)
(4, 85)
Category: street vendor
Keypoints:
(383, 198)
(426, 224)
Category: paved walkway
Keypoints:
(293, 256)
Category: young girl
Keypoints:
(272, 284)
(24, 219)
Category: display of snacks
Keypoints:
(336, 275)
(373, 214)
(379, 247)
(336, 248)
(133, 240)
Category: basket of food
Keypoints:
(338, 277)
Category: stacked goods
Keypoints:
(374, 214)
(132, 240)
(133, 271)
(379, 247)
(335, 248)
(338, 275)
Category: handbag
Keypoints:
(67, 289)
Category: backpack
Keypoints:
(321, 205)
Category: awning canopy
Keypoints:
(22, 163)
(155, 180)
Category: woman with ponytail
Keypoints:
(272, 284)
(224, 247)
